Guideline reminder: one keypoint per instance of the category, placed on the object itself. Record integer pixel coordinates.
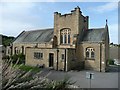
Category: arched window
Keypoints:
(65, 36)
(68, 38)
(87, 54)
(90, 53)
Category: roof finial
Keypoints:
(106, 26)
(77, 6)
(106, 21)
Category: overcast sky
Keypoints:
(18, 16)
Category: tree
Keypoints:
(7, 40)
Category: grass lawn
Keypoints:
(27, 68)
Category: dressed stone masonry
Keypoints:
(70, 45)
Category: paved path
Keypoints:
(101, 80)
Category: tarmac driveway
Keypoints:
(101, 79)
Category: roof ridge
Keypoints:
(40, 29)
(96, 28)
(18, 35)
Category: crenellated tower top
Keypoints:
(76, 10)
(74, 21)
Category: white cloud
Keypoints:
(15, 17)
(104, 8)
(11, 28)
(11, 8)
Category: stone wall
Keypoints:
(74, 52)
(25, 45)
(73, 62)
(30, 60)
(73, 21)
(99, 60)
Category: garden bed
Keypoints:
(28, 68)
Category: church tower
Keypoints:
(68, 27)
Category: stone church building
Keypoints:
(70, 45)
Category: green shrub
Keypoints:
(14, 58)
(15, 79)
(111, 62)
(20, 57)
(60, 85)
(6, 57)
(28, 68)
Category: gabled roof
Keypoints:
(45, 35)
(35, 36)
(95, 35)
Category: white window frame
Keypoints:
(38, 55)
(64, 32)
(90, 50)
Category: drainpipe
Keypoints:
(57, 59)
(65, 61)
(100, 56)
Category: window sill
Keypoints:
(89, 58)
(62, 60)
(65, 44)
(38, 58)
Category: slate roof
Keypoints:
(34, 36)
(45, 35)
(94, 35)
